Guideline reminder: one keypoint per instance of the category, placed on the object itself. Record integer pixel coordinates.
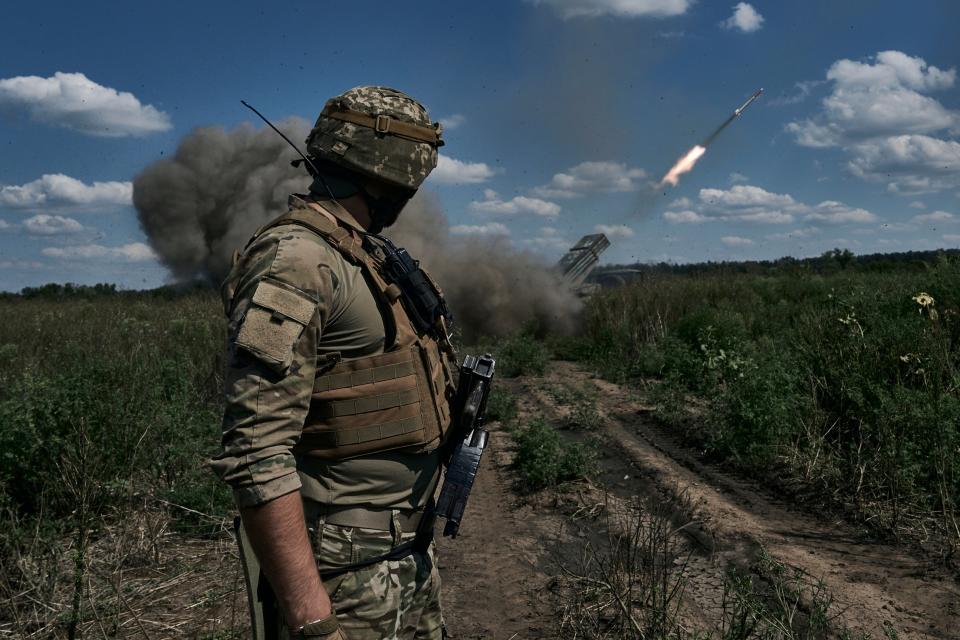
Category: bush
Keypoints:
(759, 413)
(584, 416)
(522, 355)
(501, 405)
(544, 459)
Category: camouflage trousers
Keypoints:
(390, 600)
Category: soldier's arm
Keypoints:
(276, 532)
(280, 302)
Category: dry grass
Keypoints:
(629, 584)
(136, 578)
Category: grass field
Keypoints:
(109, 405)
(843, 386)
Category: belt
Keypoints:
(379, 519)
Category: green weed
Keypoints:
(545, 459)
(522, 355)
(501, 406)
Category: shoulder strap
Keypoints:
(350, 245)
(341, 238)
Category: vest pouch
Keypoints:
(437, 374)
(370, 404)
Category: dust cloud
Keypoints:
(492, 288)
(221, 185)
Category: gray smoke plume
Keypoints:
(492, 288)
(220, 186)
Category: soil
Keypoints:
(497, 574)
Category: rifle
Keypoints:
(468, 440)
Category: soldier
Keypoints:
(337, 397)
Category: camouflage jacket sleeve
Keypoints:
(277, 298)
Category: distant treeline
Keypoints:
(829, 262)
(71, 291)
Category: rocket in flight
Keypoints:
(686, 163)
(747, 103)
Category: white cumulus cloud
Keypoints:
(752, 204)
(614, 230)
(746, 196)
(591, 177)
(489, 229)
(43, 224)
(796, 234)
(133, 252)
(451, 171)
(493, 204)
(908, 164)
(748, 203)
(834, 212)
(745, 18)
(73, 101)
(60, 190)
(879, 113)
(736, 241)
(623, 8)
(685, 217)
(549, 238)
(935, 216)
(453, 121)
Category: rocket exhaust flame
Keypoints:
(687, 162)
(683, 165)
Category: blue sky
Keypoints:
(562, 117)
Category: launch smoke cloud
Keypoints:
(221, 185)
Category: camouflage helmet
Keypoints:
(379, 132)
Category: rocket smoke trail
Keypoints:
(686, 163)
(220, 186)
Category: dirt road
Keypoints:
(496, 575)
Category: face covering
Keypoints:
(335, 182)
(385, 210)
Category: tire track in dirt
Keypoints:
(872, 582)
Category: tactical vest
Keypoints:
(399, 399)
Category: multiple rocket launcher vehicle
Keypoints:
(577, 264)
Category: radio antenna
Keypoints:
(313, 169)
